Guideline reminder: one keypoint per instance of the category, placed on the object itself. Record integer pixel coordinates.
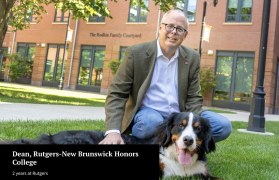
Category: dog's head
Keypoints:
(188, 133)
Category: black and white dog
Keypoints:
(184, 139)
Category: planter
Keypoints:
(23, 80)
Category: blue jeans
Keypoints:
(146, 120)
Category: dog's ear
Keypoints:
(209, 145)
(164, 131)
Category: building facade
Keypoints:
(232, 48)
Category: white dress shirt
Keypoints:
(162, 94)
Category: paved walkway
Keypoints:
(22, 111)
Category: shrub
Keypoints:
(20, 67)
(113, 65)
(207, 80)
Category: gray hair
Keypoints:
(178, 12)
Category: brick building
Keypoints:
(232, 49)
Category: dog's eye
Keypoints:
(198, 128)
(181, 126)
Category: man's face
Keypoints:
(172, 39)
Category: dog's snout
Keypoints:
(188, 140)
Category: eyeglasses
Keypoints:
(170, 27)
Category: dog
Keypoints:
(184, 139)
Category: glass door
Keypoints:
(234, 73)
(53, 64)
(91, 68)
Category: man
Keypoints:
(156, 79)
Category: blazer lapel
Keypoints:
(183, 70)
(149, 61)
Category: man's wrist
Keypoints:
(112, 131)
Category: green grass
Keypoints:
(10, 130)
(241, 157)
(27, 94)
(247, 156)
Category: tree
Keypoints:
(16, 13)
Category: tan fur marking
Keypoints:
(174, 138)
(199, 142)
(161, 166)
(184, 122)
(196, 124)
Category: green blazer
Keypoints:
(133, 78)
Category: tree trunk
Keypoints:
(5, 10)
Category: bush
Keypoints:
(113, 65)
(20, 67)
(207, 80)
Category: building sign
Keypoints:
(116, 35)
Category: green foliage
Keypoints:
(21, 12)
(17, 13)
(207, 80)
(20, 67)
(113, 65)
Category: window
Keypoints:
(234, 73)
(30, 17)
(96, 18)
(61, 16)
(239, 11)
(137, 13)
(189, 7)
(3, 52)
(122, 53)
(26, 50)
(91, 65)
(53, 63)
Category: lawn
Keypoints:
(10, 92)
(241, 156)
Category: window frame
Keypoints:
(139, 9)
(238, 15)
(230, 100)
(56, 61)
(122, 51)
(93, 49)
(185, 10)
(63, 18)
(26, 47)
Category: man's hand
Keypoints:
(112, 138)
